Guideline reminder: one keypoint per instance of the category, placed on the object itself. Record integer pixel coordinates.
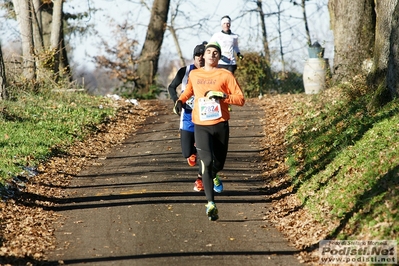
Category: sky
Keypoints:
(208, 13)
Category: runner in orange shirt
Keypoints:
(213, 89)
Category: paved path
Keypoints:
(138, 206)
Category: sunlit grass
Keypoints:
(37, 126)
(344, 162)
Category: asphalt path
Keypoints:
(136, 205)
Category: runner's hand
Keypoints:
(240, 56)
(215, 95)
(177, 108)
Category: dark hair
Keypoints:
(225, 17)
(199, 50)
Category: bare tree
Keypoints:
(190, 24)
(148, 62)
(120, 60)
(265, 42)
(172, 29)
(24, 18)
(40, 20)
(55, 37)
(3, 80)
(49, 17)
(280, 37)
(305, 21)
(37, 25)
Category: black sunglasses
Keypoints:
(198, 54)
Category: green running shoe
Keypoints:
(212, 211)
(217, 184)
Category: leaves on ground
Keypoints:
(27, 231)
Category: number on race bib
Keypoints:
(209, 109)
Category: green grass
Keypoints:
(344, 163)
(37, 126)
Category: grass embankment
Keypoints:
(38, 126)
(344, 163)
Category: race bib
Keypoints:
(209, 109)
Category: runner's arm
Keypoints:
(188, 92)
(175, 83)
(234, 92)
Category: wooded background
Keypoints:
(365, 42)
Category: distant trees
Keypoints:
(119, 60)
(43, 47)
(370, 39)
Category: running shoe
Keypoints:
(217, 184)
(212, 211)
(198, 186)
(192, 160)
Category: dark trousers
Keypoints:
(212, 145)
(187, 143)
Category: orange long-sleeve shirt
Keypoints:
(201, 81)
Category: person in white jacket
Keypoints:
(228, 42)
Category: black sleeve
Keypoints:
(175, 83)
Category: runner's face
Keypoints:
(226, 26)
(211, 56)
(199, 60)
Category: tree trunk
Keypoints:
(269, 76)
(49, 35)
(353, 24)
(3, 81)
(46, 18)
(305, 20)
(148, 61)
(55, 44)
(280, 36)
(264, 32)
(386, 52)
(37, 26)
(64, 62)
(23, 14)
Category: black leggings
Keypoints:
(187, 143)
(212, 145)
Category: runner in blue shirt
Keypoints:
(187, 140)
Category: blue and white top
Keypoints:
(182, 78)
